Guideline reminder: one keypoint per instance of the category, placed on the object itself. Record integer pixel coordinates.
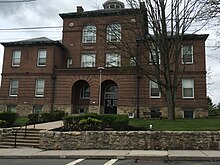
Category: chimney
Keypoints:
(142, 5)
(80, 9)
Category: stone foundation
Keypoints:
(127, 140)
(24, 110)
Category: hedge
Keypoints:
(116, 122)
(46, 117)
(8, 117)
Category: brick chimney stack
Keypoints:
(80, 9)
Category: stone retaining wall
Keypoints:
(126, 140)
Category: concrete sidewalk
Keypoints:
(151, 155)
(48, 126)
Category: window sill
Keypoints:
(13, 95)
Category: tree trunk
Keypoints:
(170, 105)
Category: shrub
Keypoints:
(117, 122)
(9, 117)
(2, 123)
(46, 117)
(91, 124)
(33, 118)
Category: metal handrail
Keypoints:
(26, 123)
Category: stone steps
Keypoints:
(30, 140)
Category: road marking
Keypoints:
(75, 162)
(110, 162)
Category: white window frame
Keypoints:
(16, 58)
(42, 55)
(133, 61)
(69, 62)
(113, 60)
(188, 53)
(39, 90)
(14, 85)
(89, 34)
(12, 108)
(88, 60)
(151, 85)
(114, 32)
(193, 111)
(188, 85)
(83, 91)
(36, 109)
(153, 54)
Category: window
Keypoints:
(85, 92)
(69, 62)
(189, 114)
(114, 33)
(39, 92)
(187, 54)
(188, 88)
(89, 34)
(16, 58)
(13, 88)
(155, 112)
(88, 60)
(133, 61)
(42, 55)
(12, 108)
(38, 109)
(113, 60)
(154, 90)
(154, 56)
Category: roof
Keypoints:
(188, 36)
(100, 13)
(41, 41)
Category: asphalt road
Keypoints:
(96, 162)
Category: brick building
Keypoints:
(43, 75)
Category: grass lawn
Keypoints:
(20, 121)
(207, 124)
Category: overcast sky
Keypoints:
(46, 13)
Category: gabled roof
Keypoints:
(40, 41)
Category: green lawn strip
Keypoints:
(208, 124)
(20, 121)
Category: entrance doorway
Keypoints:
(111, 99)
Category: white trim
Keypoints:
(12, 61)
(38, 54)
(39, 95)
(10, 88)
(182, 54)
(193, 86)
(85, 36)
(154, 97)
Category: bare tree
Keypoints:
(166, 23)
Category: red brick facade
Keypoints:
(63, 86)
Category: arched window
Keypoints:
(111, 92)
(89, 34)
(85, 92)
(114, 32)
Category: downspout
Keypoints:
(138, 76)
(53, 77)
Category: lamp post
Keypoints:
(100, 86)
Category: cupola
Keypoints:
(113, 4)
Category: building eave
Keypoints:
(100, 13)
(33, 43)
